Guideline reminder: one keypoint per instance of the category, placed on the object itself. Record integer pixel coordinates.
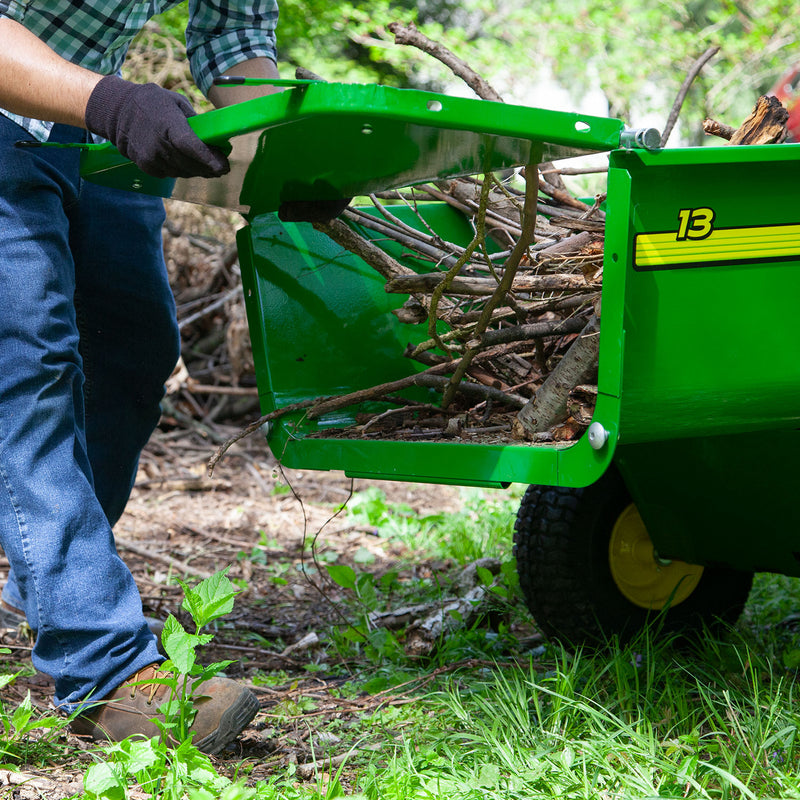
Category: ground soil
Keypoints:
(181, 523)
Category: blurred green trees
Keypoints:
(635, 52)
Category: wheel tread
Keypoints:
(561, 545)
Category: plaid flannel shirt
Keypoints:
(95, 34)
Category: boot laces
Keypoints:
(146, 687)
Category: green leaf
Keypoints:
(5, 680)
(210, 670)
(791, 659)
(211, 599)
(22, 714)
(377, 684)
(142, 754)
(187, 759)
(101, 780)
(179, 645)
(343, 575)
(500, 591)
(485, 576)
(237, 791)
(354, 634)
(45, 722)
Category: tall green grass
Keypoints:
(656, 717)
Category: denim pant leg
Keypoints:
(128, 332)
(74, 588)
(129, 339)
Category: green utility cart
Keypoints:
(684, 485)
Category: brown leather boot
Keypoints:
(224, 708)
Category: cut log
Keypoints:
(765, 125)
(548, 406)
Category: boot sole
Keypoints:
(232, 722)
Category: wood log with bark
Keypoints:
(766, 124)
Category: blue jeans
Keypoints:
(88, 337)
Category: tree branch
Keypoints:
(684, 90)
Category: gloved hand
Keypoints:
(147, 124)
(312, 210)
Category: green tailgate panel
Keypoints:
(319, 319)
(322, 324)
(328, 140)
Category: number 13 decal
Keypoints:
(695, 223)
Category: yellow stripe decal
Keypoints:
(653, 250)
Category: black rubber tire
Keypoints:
(561, 540)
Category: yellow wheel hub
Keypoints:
(639, 575)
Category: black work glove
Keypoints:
(147, 124)
(312, 210)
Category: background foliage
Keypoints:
(634, 53)
(629, 56)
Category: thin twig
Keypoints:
(513, 261)
(684, 90)
(234, 391)
(713, 128)
(408, 34)
(451, 274)
(229, 295)
(174, 563)
(369, 252)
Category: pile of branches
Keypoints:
(214, 382)
(520, 302)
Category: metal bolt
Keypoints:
(647, 138)
(136, 185)
(598, 436)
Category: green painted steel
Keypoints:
(709, 439)
(727, 500)
(321, 324)
(340, 140)
(708, 350)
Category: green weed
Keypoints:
(170, 767)
(481, 528)
(647, 719)
(658, 716)
(16, 744)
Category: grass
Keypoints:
(648, 719)
(481, 528)
(658, 716)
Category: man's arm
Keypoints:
(222, 96)
(37, 82)
(147, 123)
